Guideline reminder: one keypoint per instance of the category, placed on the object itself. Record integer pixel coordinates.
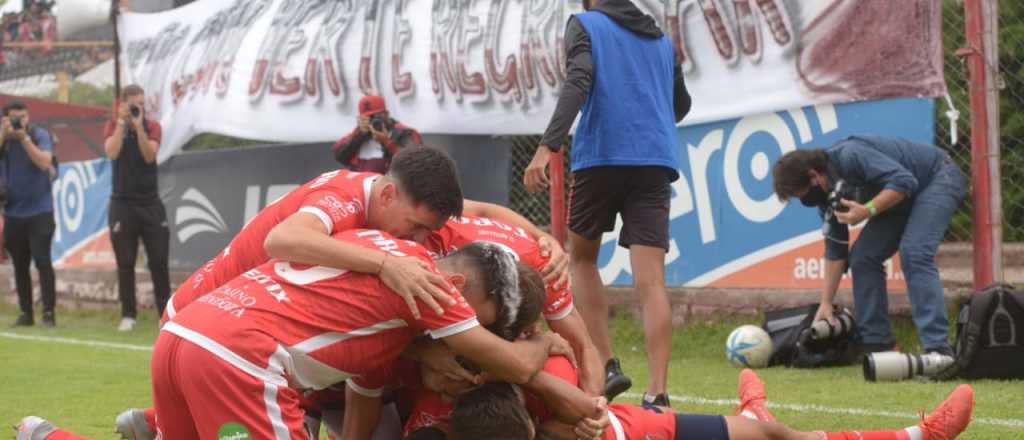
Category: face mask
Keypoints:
(814, 197)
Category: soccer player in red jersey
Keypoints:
(235, 358)
(559, 312)
(497, 411)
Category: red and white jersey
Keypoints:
(340, 199)
(461, 231)
(312, 325)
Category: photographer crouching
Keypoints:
(135, 207)
(909, 192)
(26, 161)
(375, 140)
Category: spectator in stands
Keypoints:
(135, 207)
(375, 140)
(910, 192)
(623, 76)
(28, 170)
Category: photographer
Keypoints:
(135, 207)
(27, 167)
(375, 140)
(910, 192)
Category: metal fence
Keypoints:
(1011, 111)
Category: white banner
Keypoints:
(292, 70)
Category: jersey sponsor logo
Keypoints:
(272, 288)
(339, 209)
(197, 215)
(557, 304)
(383, 243)
(233, 431)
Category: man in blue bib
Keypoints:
(622, 74)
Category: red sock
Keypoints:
(61, 434)
(151, 419)
(857, 435)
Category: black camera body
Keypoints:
(16, 123)
(842, 191)
(379, 121)
(136, 111)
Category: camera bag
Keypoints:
(990, 335)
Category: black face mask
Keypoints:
(814, 197)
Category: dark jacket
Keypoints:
(346, 150)
(580, 68)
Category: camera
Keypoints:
(893, 366)
(16, 123)
(824, 329)
(379, 121)
(136, 111)
(842, 191)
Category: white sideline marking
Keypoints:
(76, 342)
(1010, 423)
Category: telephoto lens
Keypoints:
(824, 329)
(894, 366)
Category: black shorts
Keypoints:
(701, 427)
(640, 194)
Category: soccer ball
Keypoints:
(748, 346)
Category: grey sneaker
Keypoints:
(127, 325)
(33, 428)
(131, 424)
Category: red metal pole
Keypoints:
(557, 194)
(975, 53)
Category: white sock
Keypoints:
(915, 433)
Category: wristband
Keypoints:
(871, 208)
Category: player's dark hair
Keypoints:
(494, 272)
(532, 290)
(789, 174)
(14, 105)
(490, 411)
(429, 177)
(428, 433)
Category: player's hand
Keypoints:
(535, 177)
(856, 213)
(559, 346)
(412, 279)
(557, 269)
(825, 312)
(364, 124)
(438, 357)
(593, 428)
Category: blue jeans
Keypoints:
(916, 234)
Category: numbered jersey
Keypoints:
(315, 325)
(338, 198)
(461, 231)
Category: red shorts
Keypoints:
(200, 396)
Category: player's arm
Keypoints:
(303, 238)
(557, 269)
(515, 362)
(361, 415)
(591, 370)
(437, 356)
(566, 402)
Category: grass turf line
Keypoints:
(83, 388)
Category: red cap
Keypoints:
(371, 104)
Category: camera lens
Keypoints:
(135, 111)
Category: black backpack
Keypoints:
(990, 335)
(792, 347)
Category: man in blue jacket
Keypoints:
(909, 192)
(623, 75)
(26, 163)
